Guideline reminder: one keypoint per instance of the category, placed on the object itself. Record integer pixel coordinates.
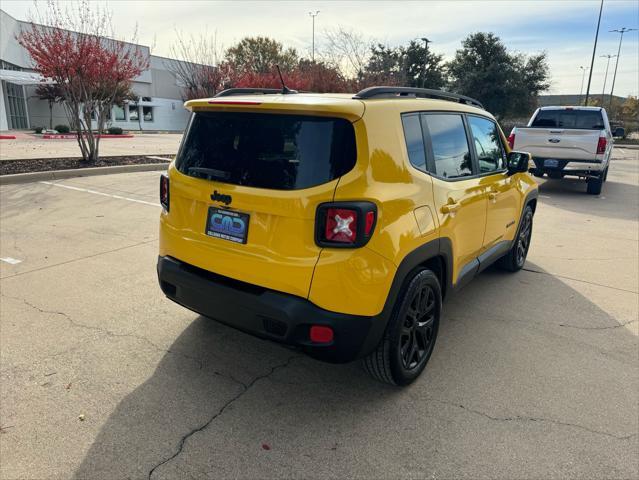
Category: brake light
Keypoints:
(164, 192)
(601, 145)
(345, 224)
(232, 102)
(511, 139)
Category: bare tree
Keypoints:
(347, 50)
(74, 48)
(197, 63)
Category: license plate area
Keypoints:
(551, 162)
(227, 224)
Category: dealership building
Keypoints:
(159, 106)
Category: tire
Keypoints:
(605, 177)
(555, 175)
(594, 185)
(410, 336)
(538, 174)
(515, 259)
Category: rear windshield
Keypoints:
(280, 152)
(579, 119)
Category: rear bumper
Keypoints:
(262, 312)
(570, 167)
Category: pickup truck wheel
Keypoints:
(515, 259)
(410, 335)
(538, 174)
(594, 185)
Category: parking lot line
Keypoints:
(94, 192)
(10, 260)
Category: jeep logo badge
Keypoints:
(219, 197)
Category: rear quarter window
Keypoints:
(272, 151)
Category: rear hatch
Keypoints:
(247, 181)
(562, 134)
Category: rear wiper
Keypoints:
(211, 172)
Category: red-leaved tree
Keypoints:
(75, 49)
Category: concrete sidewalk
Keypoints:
(27, 146)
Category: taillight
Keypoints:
(341, 225)
(164, 192)
(601, 145)
(511, 139)
(345, 224)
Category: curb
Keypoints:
(79, 172)
(73, 136)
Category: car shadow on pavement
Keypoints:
(570, 194)
(224, 404)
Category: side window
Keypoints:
(490, 151)
(447, 137)
(414, 140)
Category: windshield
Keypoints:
(576, 119)
(282, 152)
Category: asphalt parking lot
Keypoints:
(534, 375)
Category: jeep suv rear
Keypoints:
(336, 223)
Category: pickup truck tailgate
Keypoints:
(566, 144)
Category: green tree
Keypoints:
(422, 68)
(506, 83)
(413, 65)
(260, 55)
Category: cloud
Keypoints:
(565, 29)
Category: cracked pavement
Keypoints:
(534, 375)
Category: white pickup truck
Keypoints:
(564, 141)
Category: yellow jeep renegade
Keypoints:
(337, 223)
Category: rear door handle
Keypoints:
(451, 208)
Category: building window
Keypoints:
(134, 112)
(147, 114)
(9, 66)
(17, 110)
(118, 113)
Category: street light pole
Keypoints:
(313, 15)
(594, 50)
(583, 76)
(614, 77)
(426, 42)
(605, 76)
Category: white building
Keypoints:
(159, 106)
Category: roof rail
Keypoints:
(251, 91)
(393, 92)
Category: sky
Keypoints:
(564, 29)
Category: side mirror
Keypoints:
(619, 132)
(519, 162)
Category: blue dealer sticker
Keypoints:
(227, 225)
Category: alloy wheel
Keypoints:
(417, 335)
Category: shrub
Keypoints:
(114, 131)
(62, 129)
(38, 129)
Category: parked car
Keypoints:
(568, 141)
(338, 223)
